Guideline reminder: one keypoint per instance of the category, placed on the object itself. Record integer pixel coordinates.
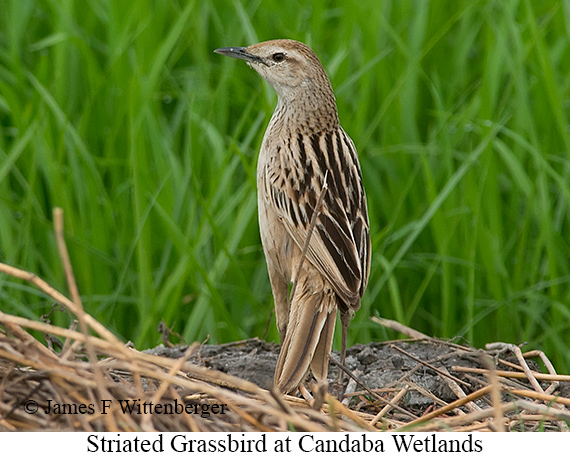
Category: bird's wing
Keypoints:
(320, 173)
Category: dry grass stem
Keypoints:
(511, 374)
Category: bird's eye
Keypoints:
(278, 57)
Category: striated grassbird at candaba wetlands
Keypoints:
(313, 217)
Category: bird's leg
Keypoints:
(280, 290)
(345, 321)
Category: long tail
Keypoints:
(309, 335)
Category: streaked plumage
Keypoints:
(304, 145)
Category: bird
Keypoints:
(313, 217)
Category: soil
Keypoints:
(376, 366)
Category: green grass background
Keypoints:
(120, 113)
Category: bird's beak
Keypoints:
(238, 53)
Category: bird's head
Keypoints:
(289, 66)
